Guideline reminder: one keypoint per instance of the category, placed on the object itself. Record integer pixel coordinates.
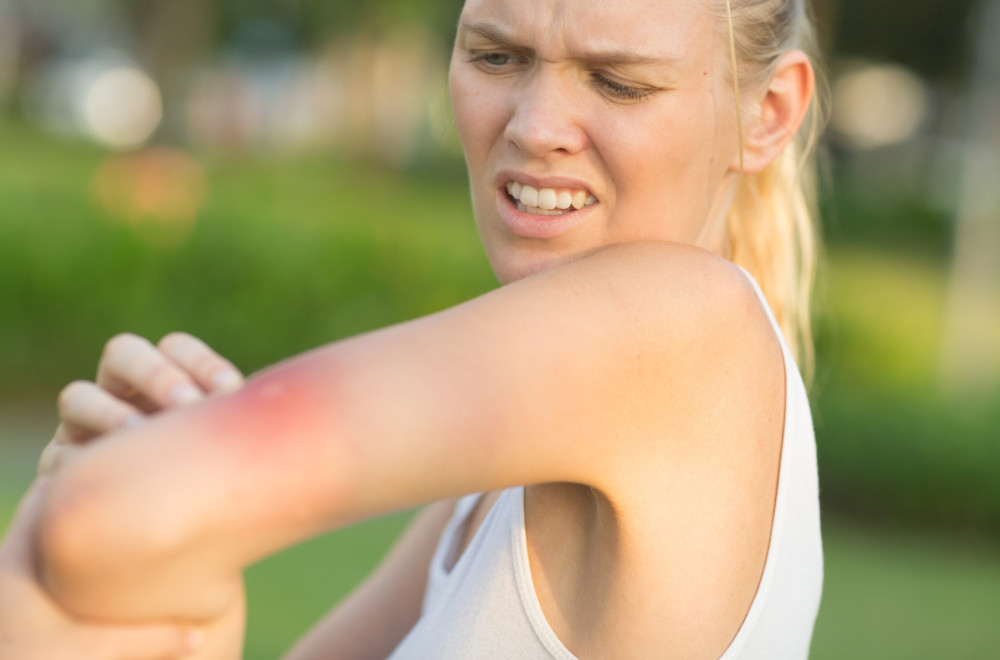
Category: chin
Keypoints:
(508, 269)
(516, 263)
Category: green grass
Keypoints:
(891, 593)
(289, 592)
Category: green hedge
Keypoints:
(284, 256)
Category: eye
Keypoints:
(494, 61)
(619, 91)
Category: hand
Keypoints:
(34, 627)
(135, 379)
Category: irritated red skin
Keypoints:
(278, 441)
(291, 400)
(202, 491)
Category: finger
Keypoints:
(140, 642)
(132, 368)
(87, 411)
(52, 456)
(212, 372)
(16, 546)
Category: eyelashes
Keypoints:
(494, 62)
(498, 63)
(621, 91)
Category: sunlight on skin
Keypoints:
(248, 481)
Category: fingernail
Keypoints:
(193, 640)
(226, 380)
(184, 393)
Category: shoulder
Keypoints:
(669, 294)
(678, 314)
(665, 344)
(680, 278)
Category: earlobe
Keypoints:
(781, 110)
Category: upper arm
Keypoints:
(584, 373)
(376, 616)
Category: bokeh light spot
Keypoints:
(123, 107)
(877, 105)
(158, 184)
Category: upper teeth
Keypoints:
(549, 199)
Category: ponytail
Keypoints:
(770, 226)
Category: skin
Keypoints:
(658, 157)
(35, 627)
(134, 377)
(626, 373)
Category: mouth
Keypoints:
(548, 201)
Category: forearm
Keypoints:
(159, 521)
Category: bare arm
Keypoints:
(556, 378)
(34, 627)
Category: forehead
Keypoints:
(665, 29)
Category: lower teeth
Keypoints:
(534, 210)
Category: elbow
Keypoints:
(66, 551)
(92, 550)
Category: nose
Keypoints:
(546, 117)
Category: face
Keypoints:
(587, 123)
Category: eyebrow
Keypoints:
(608, 57)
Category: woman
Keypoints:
(624, 410)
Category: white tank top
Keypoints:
(485, 606)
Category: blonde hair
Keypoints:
(770, 227)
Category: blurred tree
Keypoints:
(973, 351)
(926, 35)
(315, 20)
(825, 14)
(170, 37)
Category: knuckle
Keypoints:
(207, 364)
(121, 343)
(173, 340)
(159, 379)
(69, 394)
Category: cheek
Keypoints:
(478, 112)
(654, 158)
(664, 170)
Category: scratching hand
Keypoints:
(136, 378)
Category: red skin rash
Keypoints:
(288, 401)
(200, 492)
(277, 438)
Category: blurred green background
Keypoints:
(271, 176)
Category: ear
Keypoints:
(780, 111)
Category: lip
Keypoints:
(528, 225)
(503, 176)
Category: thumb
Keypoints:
(142, 642)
